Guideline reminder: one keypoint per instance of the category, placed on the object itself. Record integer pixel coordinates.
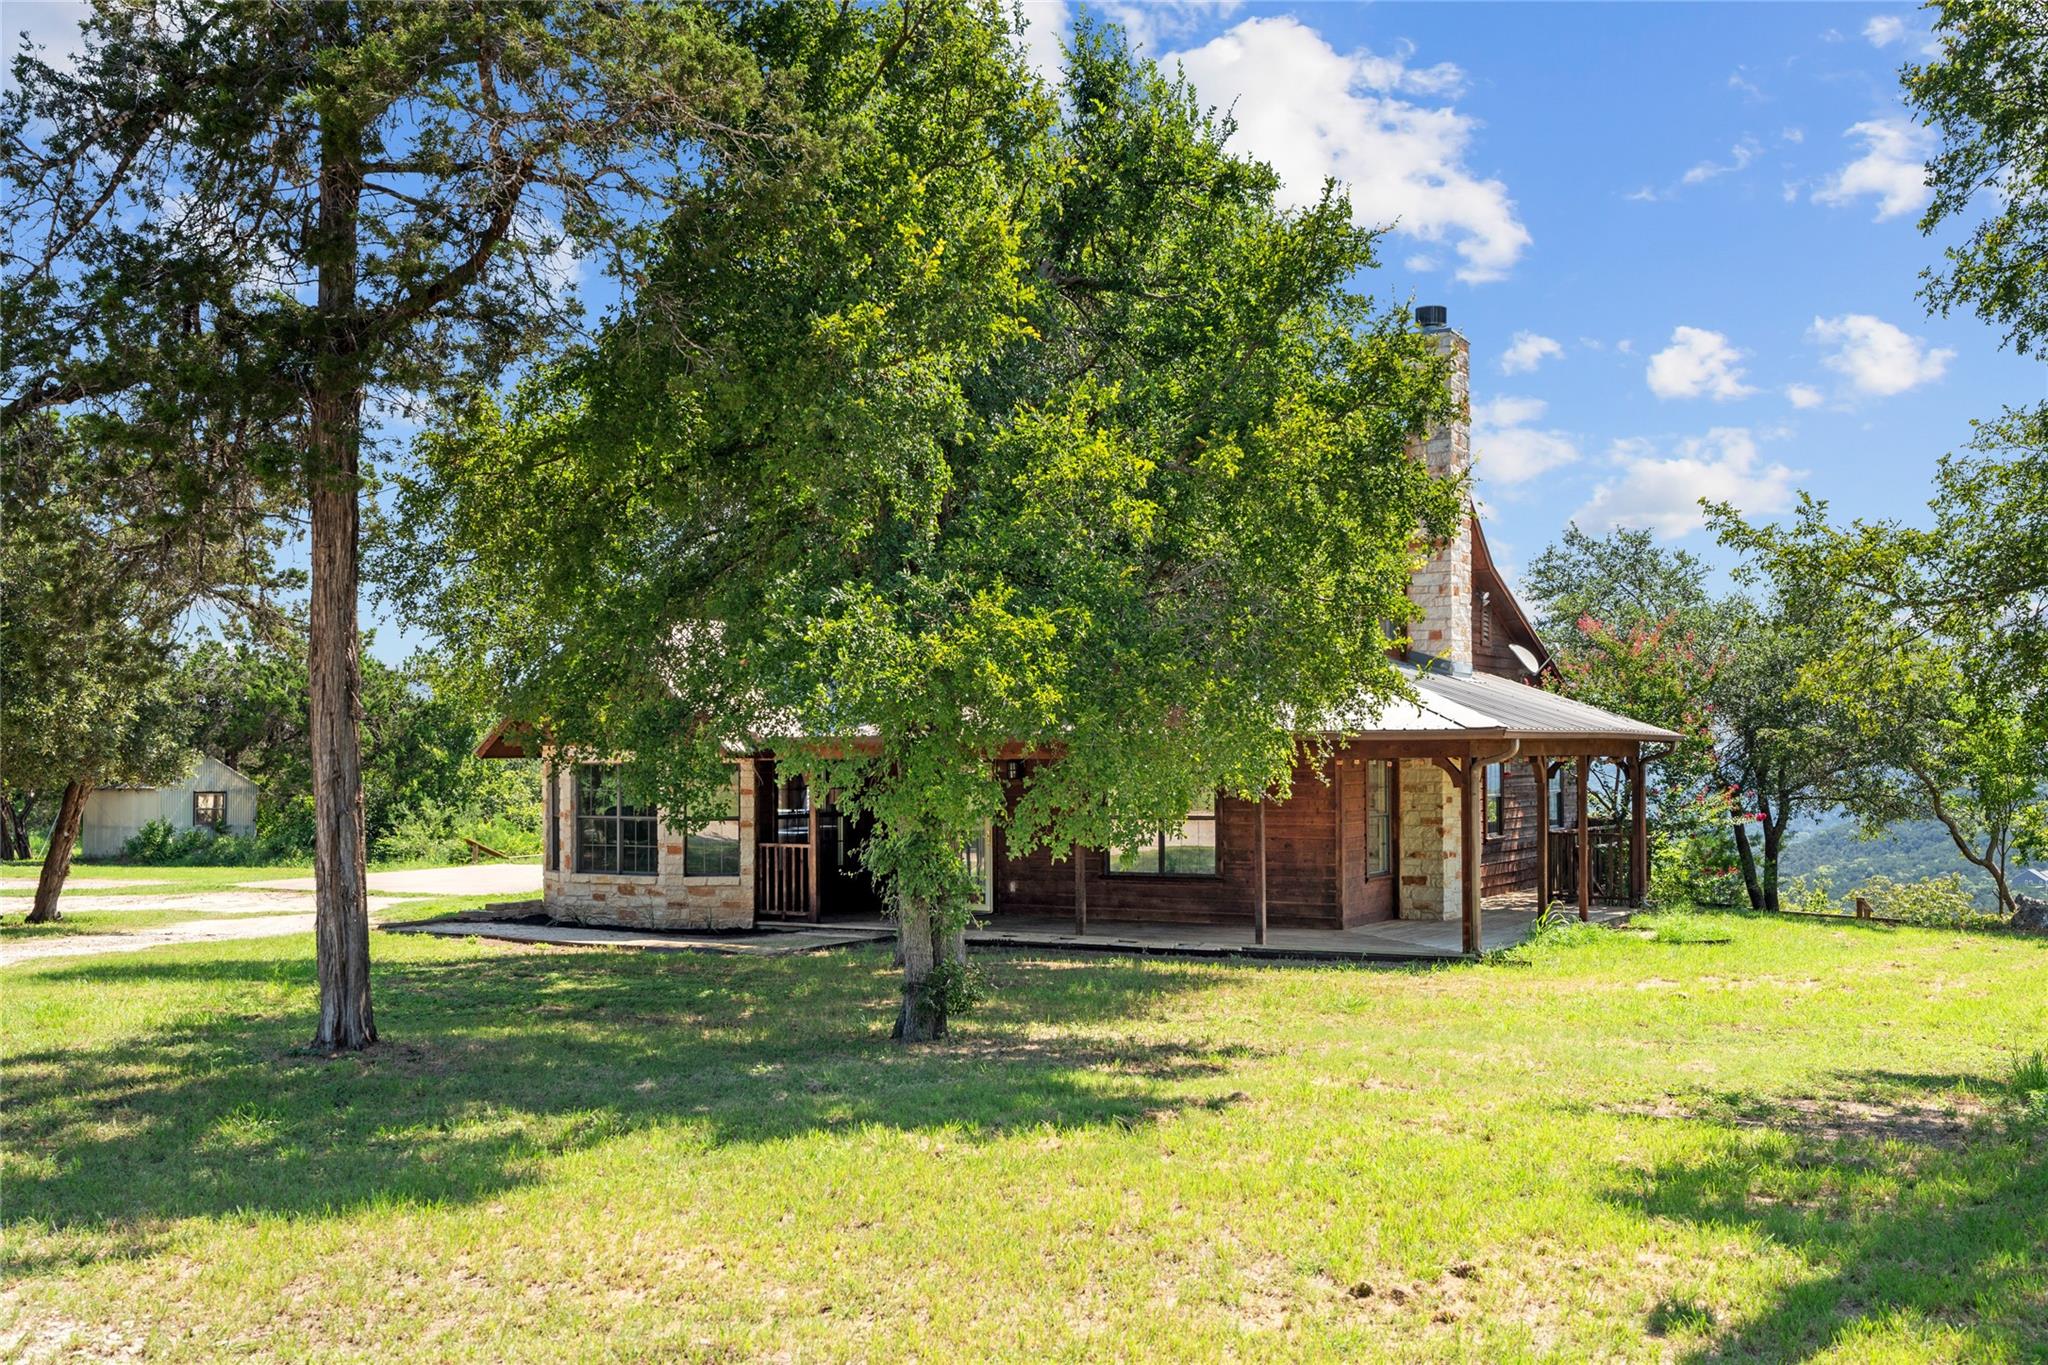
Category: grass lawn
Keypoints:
(1799, 1143)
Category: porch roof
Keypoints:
(1481, 706)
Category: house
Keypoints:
(1477, 788)
(215, 796)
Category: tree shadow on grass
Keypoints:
(1914, 1207)
(502, 1062)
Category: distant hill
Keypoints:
(1909, 852)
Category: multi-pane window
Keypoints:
(1558, 808)
(792, 812)
(210, 809)
(711, 847)
(1189, 851)
(1379, 817)
(612, 833)
(1496, 801)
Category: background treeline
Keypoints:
(423, 787)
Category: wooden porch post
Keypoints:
(1639, 830)
(1542, 769)
(1259, 913)
(1469, 843)
(811, 856)
(1080, 892)
(1585, 764)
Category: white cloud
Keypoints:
(1421, 261)
(1697, 362)
(1804, 396)
(1313, 112)
(1884, 29)
(1662, 493)
(1047, 24)
(1527, 351)
(1792, 135)
(1876, 357)
(1738, 79)
(1892, 167)
(1507, 448)
(1627, 346)
(1739, 156)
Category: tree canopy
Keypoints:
(985, 420)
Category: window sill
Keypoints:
(1163, 876)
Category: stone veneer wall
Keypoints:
(1442, 588)
(667, 900)
(1432, 885)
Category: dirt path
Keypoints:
(13, 951)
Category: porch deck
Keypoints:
(1507, 921)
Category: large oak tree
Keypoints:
(992, 419)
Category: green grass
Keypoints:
(1811, 1142)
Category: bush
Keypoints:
(433, 833)
(158, 844)
(1692, 858)
(1944, 902)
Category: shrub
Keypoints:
(1944, 902)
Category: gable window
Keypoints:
(1379, 817)
(612, 834)
(1496, 803)
(1189, 851)
(711, 848)
(210, 810)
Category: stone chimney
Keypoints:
(1442, 588)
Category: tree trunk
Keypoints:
(57, 860)
(1748, 861)
(333, 659)
(9, 823)
(1774, 843)
(924, 947)
(18, 817)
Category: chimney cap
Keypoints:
(1433, 317)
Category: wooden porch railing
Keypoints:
(1607, 856)
(782, 881)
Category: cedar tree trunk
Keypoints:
(57, 860)
(333, 659)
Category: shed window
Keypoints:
(1496, 803)
(612, 834)
(210, 810)
(1379, 817)
(1189, 851)
(711, 848)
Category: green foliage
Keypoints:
(1838, 855)
(1984, 95)
(157, 843)
(423, 786)
(1008, 421)
(1942, 902)
(1683, 926)
(1692, 858)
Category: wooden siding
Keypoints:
(1301, 872)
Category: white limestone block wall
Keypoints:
(1432, 881)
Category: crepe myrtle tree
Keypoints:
(255, 215)
(1020, 423)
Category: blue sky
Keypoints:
(1682, 239)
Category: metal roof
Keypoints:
(1481, 704)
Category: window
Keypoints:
(1379, 818)
(792, 812)
(1189, 851)
(712, 847)
(1496, 803)
(612, 835)
(1558, 809)
(210, 810)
